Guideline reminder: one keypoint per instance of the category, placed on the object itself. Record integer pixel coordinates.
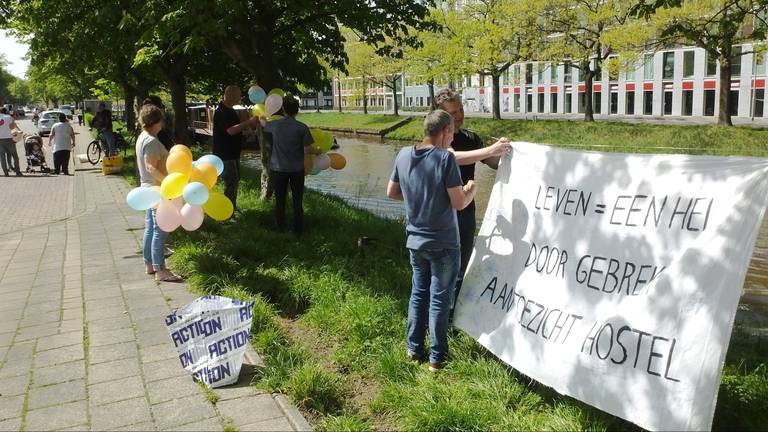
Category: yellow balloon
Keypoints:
(308, 162)
(179, 162)
(204, 173)
(173, 185)
(218, 207)
(181, 148)
(277, 91)
(337, 161)
(322, 140)
(258, 110)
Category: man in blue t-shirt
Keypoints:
(426, 176)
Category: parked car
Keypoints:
(19, 113)
(67, 109)
(47, 120)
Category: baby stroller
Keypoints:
(33, 149)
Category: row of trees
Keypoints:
(488, 36)
(199, 46)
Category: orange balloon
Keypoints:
(179, 162)
(337, 161)
(308, 162)
(204, 173)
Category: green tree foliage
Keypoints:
(583, 32)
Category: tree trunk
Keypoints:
(495, 105)
(338, 90)
(588, 111)
(431, 88)
(178, 86)
(724, 113)
(365, 96)
(394, 95)
(130, 114)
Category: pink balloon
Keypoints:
(178, 203)
(273, 104)
(191, 217)
(168, 217)
(322, 161)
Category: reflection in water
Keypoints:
(363, 183)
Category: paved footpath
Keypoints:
(83, 343)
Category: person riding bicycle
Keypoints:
(102, 121)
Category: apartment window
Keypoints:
(541, 103)
(568, 103)
(582, 103)
(734, 102)
(580, 75)
(709, 103)
(540, 72)
(528, 73)
(516, 75)
(516, 102)
(757, 103)
(553, 103)
(711, 65)
(687, 102)
(669, 65)
(505, 77)
(482, 80)
(429, 101)
(759, 64)
(469, 81)
(629, 74)
(597, 103)
(553, 73)
(614, 103)
(648, 102)
(688, 64)
(648, 67)
(667, 103)
(529, 102)
(629, 101)
(567, 73)
(613, 72)
(736, 62)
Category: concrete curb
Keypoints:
(292, 413)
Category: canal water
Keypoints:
(363, 183)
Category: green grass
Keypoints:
(614, 136)
(335, 120)
(358, 306)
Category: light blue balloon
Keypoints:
(142, 198)
(315, 170)
(257, 95)
(213, 160)
(195, 193)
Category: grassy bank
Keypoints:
(614, 136)
(330, 320)
(359, 122)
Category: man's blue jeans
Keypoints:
(434, 279)
(154, 242)
(108, 138)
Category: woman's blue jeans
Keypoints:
(154, 242)
(434, 279)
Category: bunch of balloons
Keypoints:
(267, 104)
(186, 194)
(323, 143)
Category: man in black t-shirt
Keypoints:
(468, 148)
(228, 139)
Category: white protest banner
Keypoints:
(210, 335)
(615, 278)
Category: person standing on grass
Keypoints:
(150, 158)
(426, 176)
(9, 157)
(228, 139)
(468, 148)
(291, 140)
(61, 141)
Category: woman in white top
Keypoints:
(9, 158)
(61, 141)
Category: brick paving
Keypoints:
(83, 344)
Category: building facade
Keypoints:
(680, 82)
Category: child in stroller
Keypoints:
(33, 148)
